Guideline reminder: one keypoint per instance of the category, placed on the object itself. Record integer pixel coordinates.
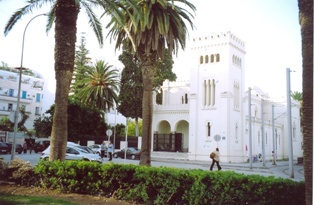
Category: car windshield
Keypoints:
(81, 150)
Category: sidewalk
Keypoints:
(281, 169)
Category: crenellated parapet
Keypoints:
(217, 39)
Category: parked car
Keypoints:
(131, 153)
(18, 147)
(4, 148)
(74, 153)
(41, 144)
(97, 149)
(89, 150)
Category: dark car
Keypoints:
(131, 153)
(4, 148)
(41, 145)
(18, 147)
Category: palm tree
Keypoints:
(99, 86)
(306, 22)
(64, 14)
(150, 27)
(296, 95)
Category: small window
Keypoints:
(201, 60)
(212, 58)
(24, 94)
(208, 129)
(11, 92)
(217, 57)
(10, 107)
(37, 111)
(37, 97)
(206, 59)
(186, 98)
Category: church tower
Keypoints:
(216, 104)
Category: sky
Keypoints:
(269, 28)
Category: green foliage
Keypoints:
(83, 121)
(7, 125)
(132, 128)
(131, 92)
(152, 185)
(99, 86)
(131, 86)
(296, 95)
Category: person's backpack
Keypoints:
(212, 155)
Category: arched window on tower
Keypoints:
(213, 92)
(204, 92)
(186, 98)
(201, 60)
(206, 59)
(217, 57)
(211, 58)
(209, 92)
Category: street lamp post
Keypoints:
(289, 122)
(16, 116)
(250, 129)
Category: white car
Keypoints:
(74, 152)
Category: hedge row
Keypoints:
(152, 185)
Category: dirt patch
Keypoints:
(74, 198)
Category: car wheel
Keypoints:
(19, 152)
(115, 155)
(132, 156)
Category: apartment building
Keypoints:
(31, 94)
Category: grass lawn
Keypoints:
(8, 199)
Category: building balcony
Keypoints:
(173, 107)
(13, 99)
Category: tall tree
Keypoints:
(131, 91)
(99, 86)
(306, 23)
(151, 26)
(81, 63)
(64, 15)
(83, 121)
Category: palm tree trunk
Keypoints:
(66, 17)
(306, 22)
(148, 70)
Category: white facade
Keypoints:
(31, 95)
(211, 110)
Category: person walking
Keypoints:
(110, 150)
(25, 147)
(102, 150)
(215, 157)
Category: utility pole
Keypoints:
(274, 137)
(250, 130)
(289, 124)
(263, 132)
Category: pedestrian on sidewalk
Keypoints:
(103, 148)
(273, 154)
(110, 150)
(215, 155)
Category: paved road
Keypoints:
(280, 170)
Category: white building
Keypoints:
(211, 110)
(31, 94)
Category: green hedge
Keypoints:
(152, 185)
